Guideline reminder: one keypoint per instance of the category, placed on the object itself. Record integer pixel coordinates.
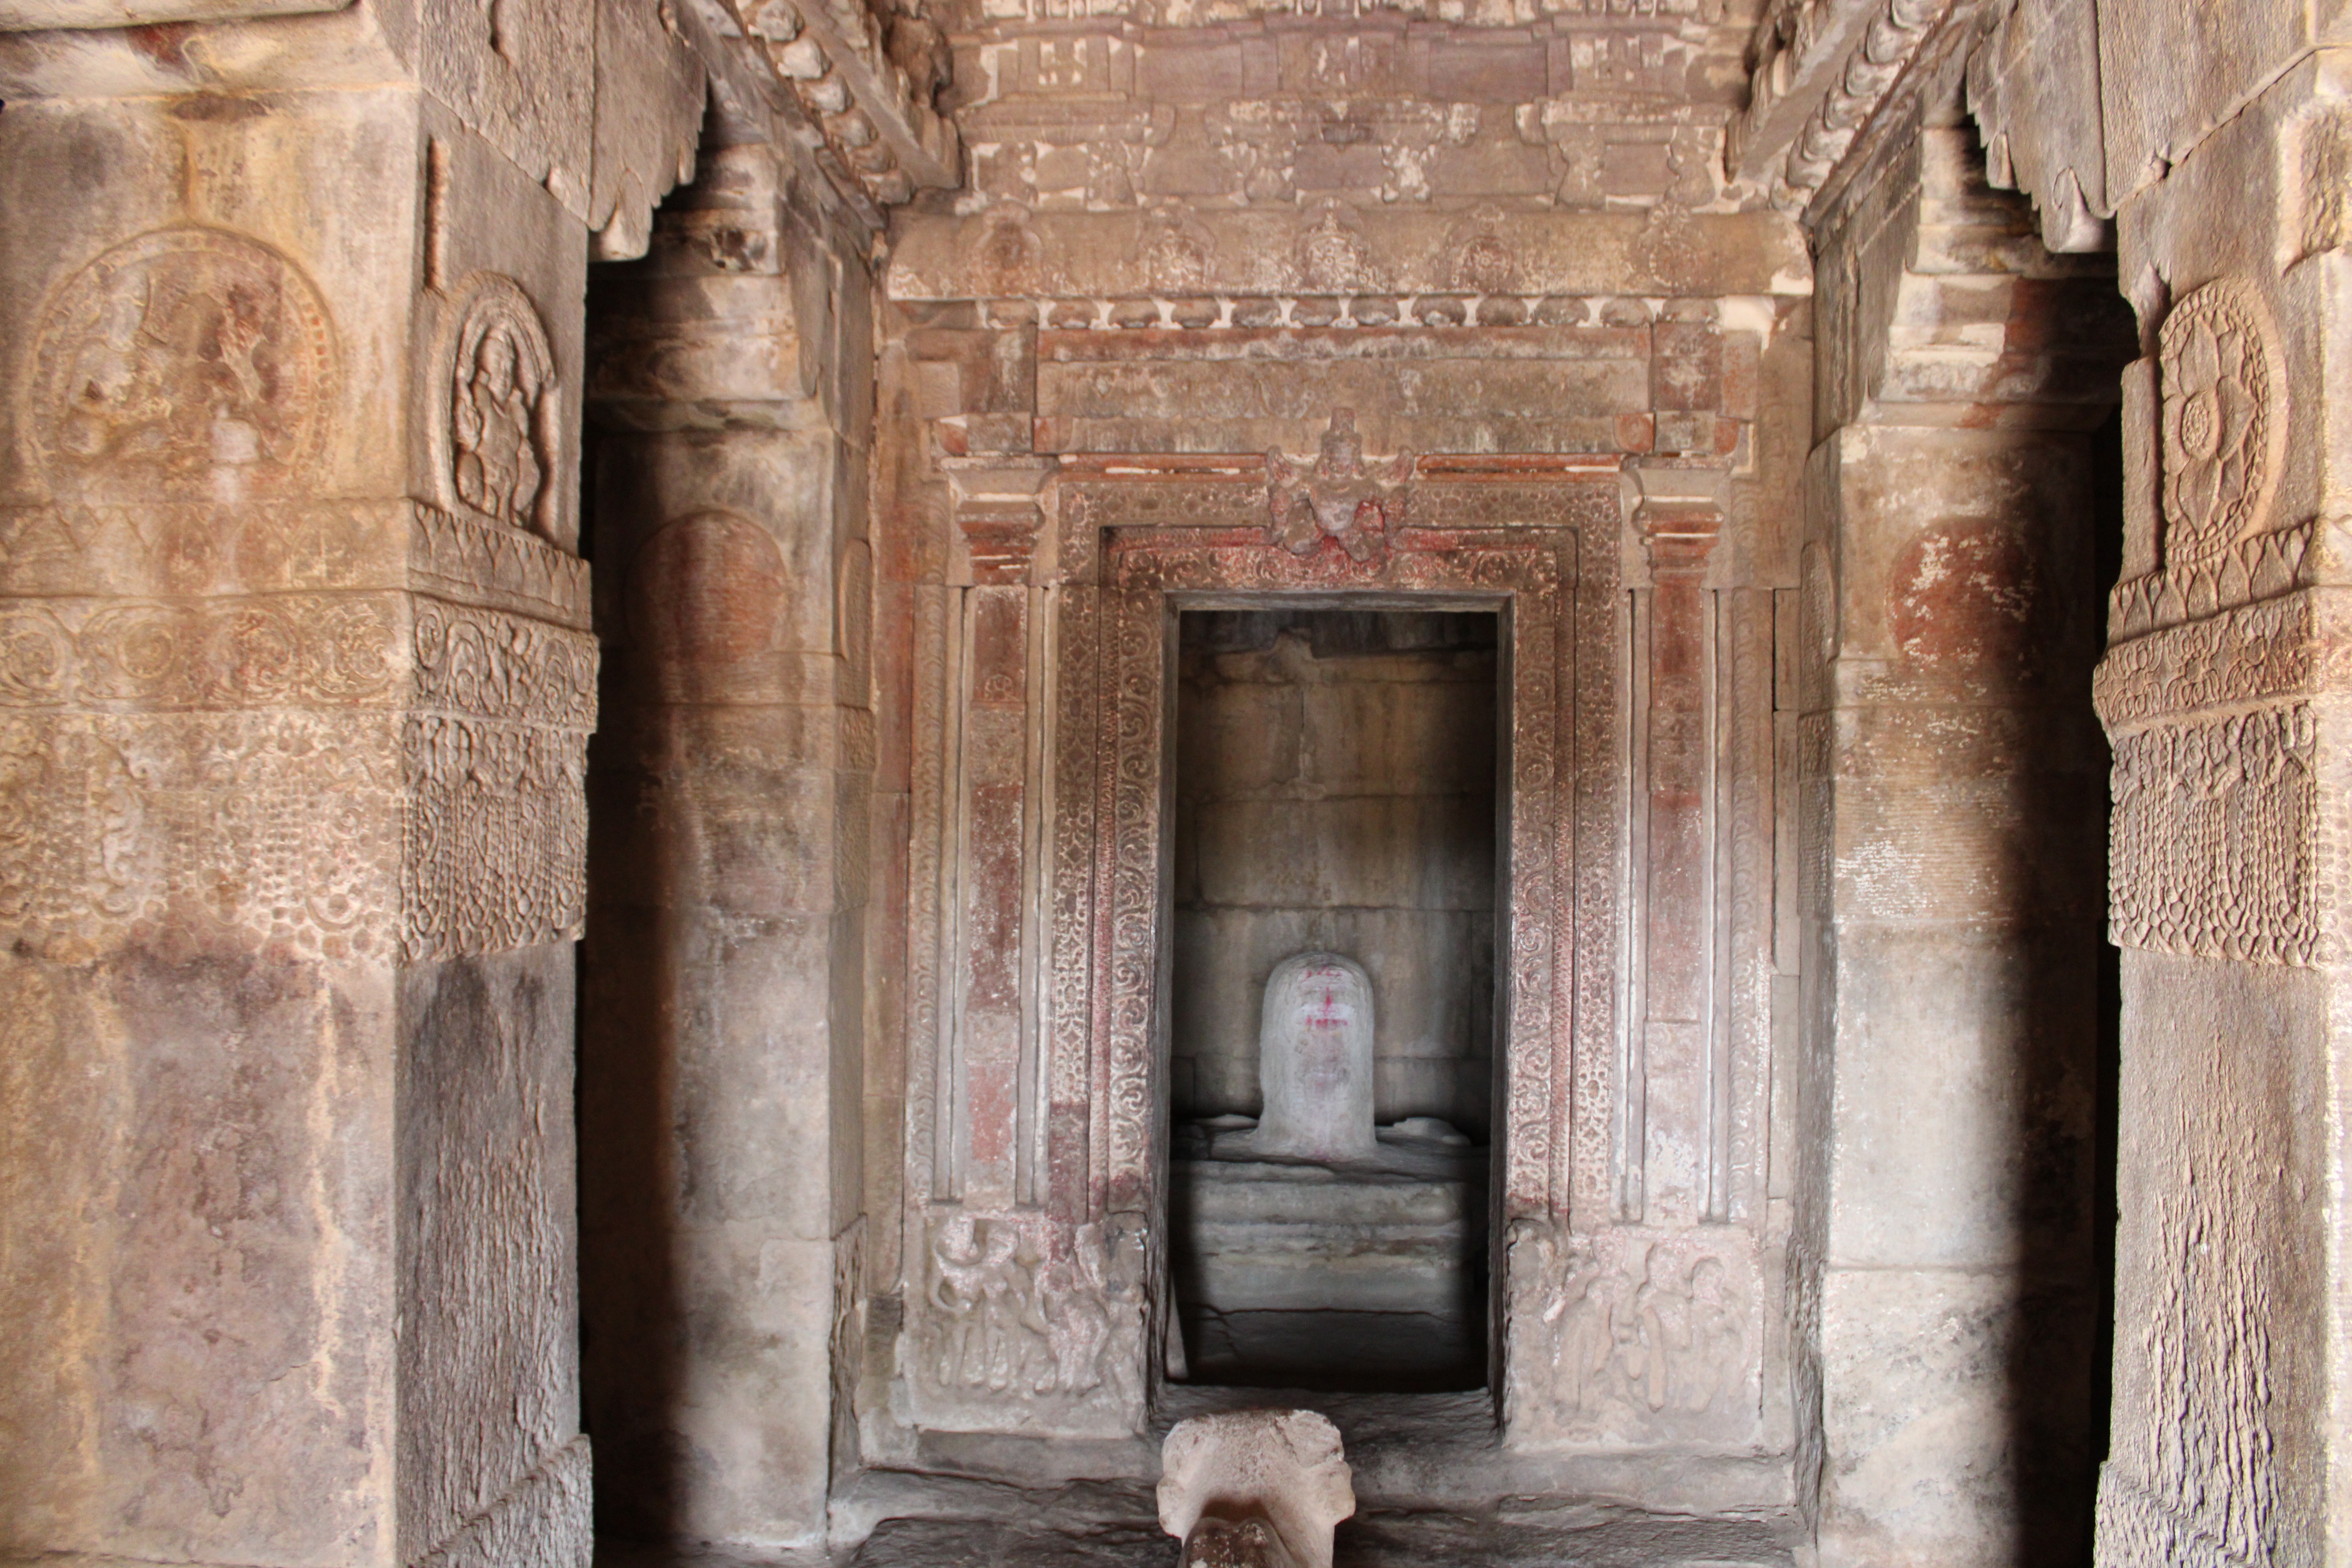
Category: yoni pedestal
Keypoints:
(1313, 1214)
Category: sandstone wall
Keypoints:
(2214, 140)
(1951, 807)
(299, 683)
(299, 680)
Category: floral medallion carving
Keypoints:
(496, 437)
(180, 376)
(2224, 387)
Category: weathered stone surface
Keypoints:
(1279, 1470)
(1773, 983)
(1948, 889)
(721, 1070)
(290, 578)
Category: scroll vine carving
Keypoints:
(279, 649)
(2260, 652)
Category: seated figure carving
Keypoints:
(1314, 1060)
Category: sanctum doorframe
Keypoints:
(1497, 605)
(1467, 554)
(1633, 1314)
(1035, 1300)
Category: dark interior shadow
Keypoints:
(633, 1327)
(2060, 1348)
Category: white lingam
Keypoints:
(1314, 1060)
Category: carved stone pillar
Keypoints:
(295, 688)
(1949, 805)
(721, 1054)
(2228, 698)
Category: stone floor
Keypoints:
(1572, 1538)
(1551, 1538)
(1434, 1485)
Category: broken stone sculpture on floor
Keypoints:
(1254, 1489)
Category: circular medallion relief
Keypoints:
(707, 590)
(186, 366)
(496, 432)
(2224, 388)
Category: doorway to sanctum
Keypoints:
(1332, 1005)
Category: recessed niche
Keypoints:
(1331, 1010)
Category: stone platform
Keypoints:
(1368, 1275)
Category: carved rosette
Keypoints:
(2224, 382)
(497, 421)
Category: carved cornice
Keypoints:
(883, 136)
(1844, 82)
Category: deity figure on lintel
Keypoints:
(1314, 1060)
(1339, 496)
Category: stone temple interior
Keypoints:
(773, 771)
